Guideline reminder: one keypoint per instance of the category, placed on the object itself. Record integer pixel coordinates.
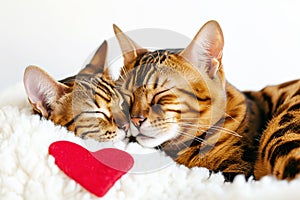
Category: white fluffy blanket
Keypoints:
(28, 172)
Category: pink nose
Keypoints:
(137, 121)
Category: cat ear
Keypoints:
(130, 49)
(42, 90)
(206, 48)
(97, 63)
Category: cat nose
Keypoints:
(137, 121)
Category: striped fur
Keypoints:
(181, 103)
(87, 103)
(279, 149)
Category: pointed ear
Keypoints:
(206, 48)
(130, 49)
(42, 90)
(97, 63)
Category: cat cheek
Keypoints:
(133, 131)
(156, 110)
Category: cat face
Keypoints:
(158, 107)
(87, 103)
(169, 91)
(93, 109)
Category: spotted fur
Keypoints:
(181, 103)
(87, 104)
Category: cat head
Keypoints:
(87, 103)
(173, 95)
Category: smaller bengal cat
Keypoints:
(180, 102)
(87, 104)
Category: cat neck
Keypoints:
(243, 115)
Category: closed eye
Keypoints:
(85, 112)
(156, 96)
(167, 99)
(95, 112)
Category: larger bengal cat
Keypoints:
(181, 103)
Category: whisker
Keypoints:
(180, 142)
(221, 128)
(175, 143)
(196, 118)
(225, 130)
(222, 111)
(197, 129)
(232, 118)
(198, 126)
(164, 129)
(194, 138)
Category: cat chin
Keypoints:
(149, 142)
(159, 139)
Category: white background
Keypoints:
(262, 38)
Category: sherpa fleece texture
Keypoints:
(27, 171)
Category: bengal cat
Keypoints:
(82, 103)
(180, 102)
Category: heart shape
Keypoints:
(95, 171)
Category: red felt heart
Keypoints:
(95, 171)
